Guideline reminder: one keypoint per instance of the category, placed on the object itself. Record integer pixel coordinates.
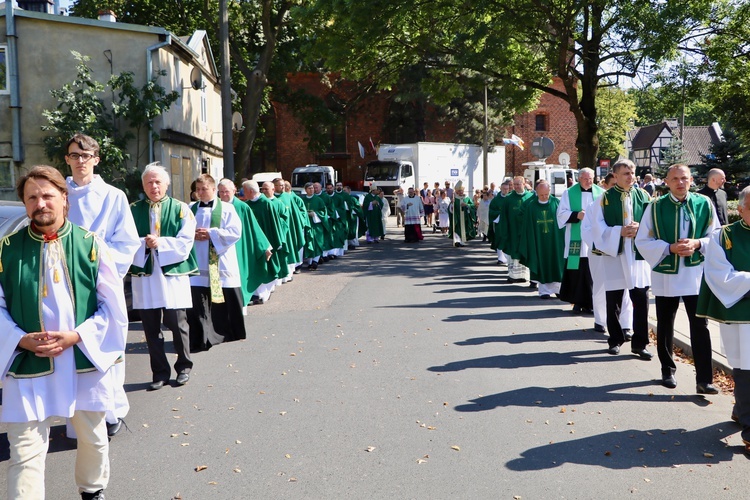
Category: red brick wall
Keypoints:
(561, 128)
(365, 121)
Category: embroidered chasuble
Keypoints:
(511, 221)
(542, 242)
(27, 265)
(463, 220)
(734, 240)
(169, 214)
(668, 215)
(621, 207)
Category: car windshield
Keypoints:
(302, 178)
(382, 172)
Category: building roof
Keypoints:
(646, 136)
(697, 141)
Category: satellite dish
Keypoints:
(196, 79)
(237, 121)
(542, 147)
(564, 159)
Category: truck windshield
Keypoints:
(382, 172)
(301, 178)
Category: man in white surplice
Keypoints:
(61, 319)
(104, 210)
(614, 224)
(673, 237)
(725, 297)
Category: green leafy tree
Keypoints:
(615, 109)
(675, 153)
(519, 46)
(731, 155)
(81, 108)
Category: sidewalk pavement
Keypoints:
(682, 336)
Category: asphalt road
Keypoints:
(414, 371)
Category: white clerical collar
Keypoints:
(542, 202)
(676, 200)
(255, 198)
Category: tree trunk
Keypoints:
(251, 105)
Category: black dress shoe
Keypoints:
(297, 270)
(706, 389)
(113, 429)
(586, 310)
(99, 495)
(613, 349)
(669, 382)
(577, 309)
(643, 354)
(533, 285)
(314, 266)
(155, 386)
(545, 296)
(599, 328)
(182, 378)
(627, 335)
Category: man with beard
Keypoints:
(413, 210)
(577, 284)
(542, 242)
(463, 218)
(63, 312)
(161, 273)
(218, 308)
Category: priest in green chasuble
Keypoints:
(315, 237)
(725, 297)
(510, 227)
(496, 228)
(266, 213)
(542, 242)
(463, 217)
(372, 206)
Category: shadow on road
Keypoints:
(635, 448)
(529, 360)
(553, 397)
(522, 338)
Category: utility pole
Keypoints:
(485, 146)
(226, 93)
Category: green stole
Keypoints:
(574, 245)
(23, 276)
(217, 295)
(169, 225)
(613, 212)
(735, 241)
(665, 218)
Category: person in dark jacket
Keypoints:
(714, 182)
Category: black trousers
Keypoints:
(577, 285)
(176, 321)
(639, 297)
(700, 339)
(742, 400)
(212, 324)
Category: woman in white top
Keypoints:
(443, 205)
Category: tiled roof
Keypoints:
(647, 135)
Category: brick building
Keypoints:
(286, 139)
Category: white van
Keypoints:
(556, 175)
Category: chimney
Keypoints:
(107, 15)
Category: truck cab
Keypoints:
(556, 175)
(312, 173)
(390, 175)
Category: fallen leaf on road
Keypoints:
(238, 442)
(173, 435)
(421, 460)
(184, 444)
(201, 467)
(145, 425)
(454, 447)
(563, 410)
(370, 448)
(708, 455)
(292, 479)
(236, 470)
(431, 428)
(213, 483)
(571, 423)
(647, 479)
(282, 413)
(287, 456)
(607, 453)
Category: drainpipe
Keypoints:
(14, 81)
(149, 74)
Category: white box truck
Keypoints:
(556, 175)
(411, 165)
(312, 173)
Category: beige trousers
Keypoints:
(29, 442)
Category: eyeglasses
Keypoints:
(82, 156)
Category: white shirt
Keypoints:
(687, 281)
(158, 291)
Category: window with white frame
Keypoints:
(7, 180)
(4, 85)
